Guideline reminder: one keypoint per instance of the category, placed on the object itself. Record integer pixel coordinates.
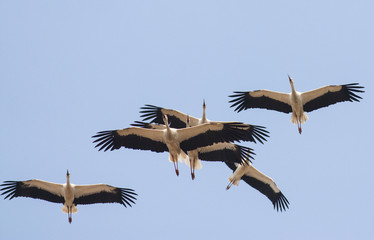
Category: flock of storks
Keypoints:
(189, 140)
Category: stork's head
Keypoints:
(204, 119)
(291, 83)
(290, 79)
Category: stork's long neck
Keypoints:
(292, 87)
(166, 122)
(68, 179)
(203, 119)
(293, 91)
(68, 188)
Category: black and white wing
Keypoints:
(261, 99)
(102, 193)
(133, 137)
(35, 188)
(209, 133)
(257, 133)
(226, 152)
(176, 119)
(328, 95)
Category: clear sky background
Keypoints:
(69, 69)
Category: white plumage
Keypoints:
(296, 102)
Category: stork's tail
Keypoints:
(295, 120)
(182, 157)
(66, 210)
(197, 164)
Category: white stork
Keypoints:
(179, 120)
(217, 152)
(296, 102)
(68, 194)
(176, 141)
(259, 181)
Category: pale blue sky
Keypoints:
(69, 69)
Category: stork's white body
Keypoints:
(298, 116)
(69, 206)
(172, 143)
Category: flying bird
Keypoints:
(259, 181)
(178, 119)
(175, 141)
(70, 195)
(296, 102)
(217, 152)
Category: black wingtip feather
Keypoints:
(141, 124)
(152, 113)
(246, 153)
(351, 89)
(238, 101)
(280, 203)
(9, 188)
(105, 140)
(259, 133)
(127, 196)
